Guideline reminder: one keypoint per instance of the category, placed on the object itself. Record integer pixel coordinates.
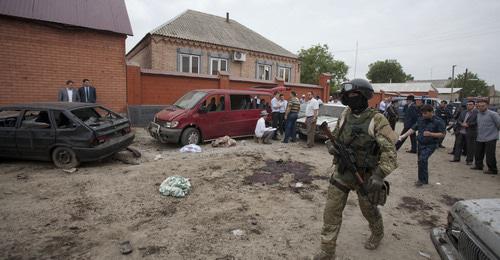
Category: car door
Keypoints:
(35, 135)
(212, 116)
(8, 122)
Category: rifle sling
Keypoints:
(339, 185)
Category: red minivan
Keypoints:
(206, 114)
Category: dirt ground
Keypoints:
(47, 213)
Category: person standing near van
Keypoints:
(282, 121)
(275, 110)
(291, 115)
(312, 109)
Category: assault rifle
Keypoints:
(346, 157)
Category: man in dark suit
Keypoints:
(87, 92)
(68, 93)
(412, 113)
(467, 132)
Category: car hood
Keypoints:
(170, 113)
(329, 119)
(482, 216)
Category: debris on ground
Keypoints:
(273, 171)
(124, 158)
(449, 200)
(238, 232)
(125, 247)
(21, 176)
(152, 250)
(224, 141)
(190, 148)
(71, 170)
(424, 255)
(176, 186)
(135, 152)
(413, 204)
(158, 157)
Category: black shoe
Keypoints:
(454, 160)
(468, 163)
(441, 146)
(411, 151)
(490, 172)
(293, 141)
(476, 168)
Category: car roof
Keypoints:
(235, 91)
(49, 105)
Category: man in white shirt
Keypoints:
(312, 109)
(275, 109)
(68, 93)
(383, 105)
(261, 131)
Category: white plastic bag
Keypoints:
(176, 186)
(191, 148)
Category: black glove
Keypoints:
(375, 187)
(330, 147)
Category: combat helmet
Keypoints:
(359, 85)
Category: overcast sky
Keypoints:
(427, 37)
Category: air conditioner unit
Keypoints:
(239, 56)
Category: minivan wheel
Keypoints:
(190, 136)
(64, 157)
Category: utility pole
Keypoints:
(452, 80)
(356, 59)
(465, 79)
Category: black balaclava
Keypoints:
(357, 103)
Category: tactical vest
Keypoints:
(357, 134)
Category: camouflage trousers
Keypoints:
(332, 217)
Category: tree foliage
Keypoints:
(387, 71)
(318, 59)
(471, 85)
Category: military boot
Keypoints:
(374, 241)
(323, 256)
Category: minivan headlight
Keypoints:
(171, 124)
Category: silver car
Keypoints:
(329, 113)
(473, 231)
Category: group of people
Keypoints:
(86, 93)
(284, 117)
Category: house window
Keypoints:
(263, 72)
(217, 65)
(190, 63)
(284, 73)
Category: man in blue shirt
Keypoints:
(430, 130)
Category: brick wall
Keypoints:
(153, 87)
(36, 59)
(164, 57)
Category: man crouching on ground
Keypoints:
(263, 133)
(369, 140)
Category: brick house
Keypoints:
(45, 43)
(204, 44)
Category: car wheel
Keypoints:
(190, 136)
(64, 157)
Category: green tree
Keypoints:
(471, 85)
(318, 59)
(387, 71)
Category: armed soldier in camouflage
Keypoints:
(370, 140)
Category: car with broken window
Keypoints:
(329, 113)
(472, 231)
(206, 114)
(65, 133)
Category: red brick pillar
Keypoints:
(134, 88)
(324, 82)
(223, 80)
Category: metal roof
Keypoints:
(105, 15)
(202, 27)
(448, 90)
(404, 87)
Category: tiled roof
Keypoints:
(202, 27)
(105, 15)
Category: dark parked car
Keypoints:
(62, 132)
